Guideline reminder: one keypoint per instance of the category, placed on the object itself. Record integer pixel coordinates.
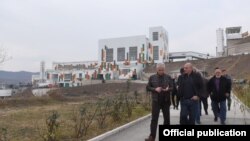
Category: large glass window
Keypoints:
(132, 53)
(120, 54)
(68, 76)
(156, 53)
(125, 71)
(155, 36)
(109, 55)
(55, 77)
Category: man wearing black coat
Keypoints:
(189, 89)
(229, 100)
(219, 90)
(175, 98)
(160, 85)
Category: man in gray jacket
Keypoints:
(160, 85)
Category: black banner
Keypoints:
(199, 132)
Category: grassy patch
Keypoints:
(243, 93)
(25, 118)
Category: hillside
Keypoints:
(237, 66)
(15, 77)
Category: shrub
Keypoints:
(52, 125)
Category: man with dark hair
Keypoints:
(160, 85)
(179, 77)
(219, 90)
(229, 100)
(204, 96)
(189, 89)
(134, 75)
(182, 70)
(177, 86)
(175, 98)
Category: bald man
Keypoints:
(189, 89)
(160, 85)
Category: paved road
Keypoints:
(140, 131)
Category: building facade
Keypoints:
(236, 42)
(158, 38)
(240, 47)
(118, 58)
(220, 42)
(68, 74)
(127, 56)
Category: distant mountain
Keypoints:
(9, 77)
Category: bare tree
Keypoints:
(103, 112)
(83, 118)
(3, 55)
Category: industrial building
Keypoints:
(220, 48)
(237, 42)
(188, 55)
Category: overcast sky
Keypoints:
(69, 30)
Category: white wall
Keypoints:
(4, 93)
(220, 42)
(132, 41)
(136, 41)
(189, 54)
(162, 42)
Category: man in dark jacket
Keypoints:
(204, 96)
(229, 79)
(175, 98)
(160, 85)
(189, 89)
(219, 90)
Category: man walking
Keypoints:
(219, 90)
(204, 96)
(160, 85)
(189, 89)
(229, 79)
(175, 98)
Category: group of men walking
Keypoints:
(191, 88)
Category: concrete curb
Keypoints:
(241, 103)
(119, 129)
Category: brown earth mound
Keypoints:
(237, 66)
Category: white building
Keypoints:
(121, 57)
(122, 54)
(39, 78)
(158, 39)
(233, 33)
(42, 71)
(237, 43)
(187, 55)
(69, 74)
(35, 79)
(118, 58)
(220, 42)
(66, 74)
